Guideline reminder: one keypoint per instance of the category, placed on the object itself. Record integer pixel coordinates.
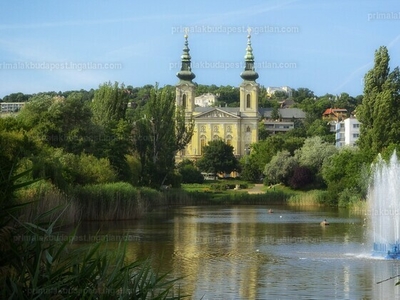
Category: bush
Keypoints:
(190, 174)
(302, 176)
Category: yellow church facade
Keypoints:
(236, 126)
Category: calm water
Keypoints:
(244, 252)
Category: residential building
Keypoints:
(285, 89)
(286, 121)
(205, 100)
(11, 106)
(347, 132)
(335, 114)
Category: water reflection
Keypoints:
(245, 252)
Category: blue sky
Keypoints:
(326, 46)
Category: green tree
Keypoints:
(250, 170)
(59, 122)
(347, 170)
(109, 115)
(190, 173)
(321, 128)
(109, 103)
(301, 177)
(13, 147)
(262, 131)
(379, 112)
(275, 114)
(280, 168)
(160, 130)
(314, 153)
(302, 93)
(218, 157)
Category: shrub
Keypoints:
(302, 176)
(190, 174)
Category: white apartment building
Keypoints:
(347, 132)
(271, 90)
(205, 100)
(11, 106)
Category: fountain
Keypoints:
(384, 206)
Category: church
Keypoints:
(236, 126)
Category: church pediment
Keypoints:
(218, 113)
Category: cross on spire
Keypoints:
(248, 31)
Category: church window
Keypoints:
(248, 101)
(229, 140)
(184, 100)
(248, 129)
(203, 140)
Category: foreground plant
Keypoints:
(37, 263)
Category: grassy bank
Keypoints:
(105, 202)
(122, 201)
(195, 197)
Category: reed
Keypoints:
(44, 197)
(115, 201)
(310, 198)
(359, 207)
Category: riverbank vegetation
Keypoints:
(118, 134)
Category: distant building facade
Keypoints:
(286, 121)
(7, 107)
(205, 100)
(285, 89)
(347, 132)
(236, 126)
(335, 114)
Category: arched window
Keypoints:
(229, 140)
(215, 137)
(248, 101)
(248, 129)
(184, 100)
(203, 140)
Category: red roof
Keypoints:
(333, 111)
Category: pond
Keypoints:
(247, 252)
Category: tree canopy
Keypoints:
(379, 112)
(218, 157)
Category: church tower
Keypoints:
(248, 101)
(249, 88)
(185, 88)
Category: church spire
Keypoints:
(186, 73)
(249, 74)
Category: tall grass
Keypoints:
(359, 207)
(314, 198)
(43, 197)
(115, 201)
